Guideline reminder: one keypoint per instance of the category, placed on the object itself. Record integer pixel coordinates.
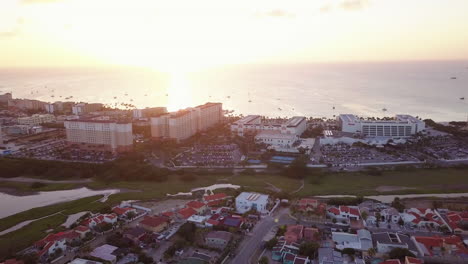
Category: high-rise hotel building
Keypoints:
(100, 135)
(185, 123)
(399, 126)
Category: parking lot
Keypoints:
(341, 153)
(57, 149)
(445, 148)
(209, 155)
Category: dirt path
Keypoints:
(25, 179)
(300, 188)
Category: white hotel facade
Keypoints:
(400, 126)
(100, 135)
(279, 133)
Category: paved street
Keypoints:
(253, 240)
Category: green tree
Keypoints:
(263, 260)
(400, 253)
(349, 251)
(271, 243)
(309, 249)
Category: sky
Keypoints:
(190, 35)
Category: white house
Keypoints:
(344, 212)
(360, 241)
(247, 201)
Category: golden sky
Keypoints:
(192, 34)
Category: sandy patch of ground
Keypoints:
(165, 205)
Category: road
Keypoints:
(253, 240)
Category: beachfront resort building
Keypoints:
(256, 124)
(148, 112)
(247, 201)
(83, 108)
(36, 119)
(280, 133)
(399, 126)
(99, 134)
(185, 123)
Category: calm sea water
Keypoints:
(424, 89)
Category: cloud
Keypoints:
(9, 34)
(325, 9)
(274, 13)
(352, 5)
(39, 1)
(279, 13)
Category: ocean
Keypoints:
(425, 89)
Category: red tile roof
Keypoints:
(82, 228)
(411, 260)
(212, 222)
(439, 242)
(13, 261)
(168, 214)
(334, 211)
(122, 211)
(195, 204)
(214, 197)
(154, 221)
(187, 212)
(391, 261)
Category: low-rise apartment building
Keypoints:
(36, 119)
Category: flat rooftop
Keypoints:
(295, 121)
(253, 197)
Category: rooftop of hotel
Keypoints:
(403, 119)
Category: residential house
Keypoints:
(344, 212)
(12, 261)
(218, 239)
(104, 252)
(311, 234)
(411, 260)
(154, 223)
(386, 241)
(82, 230)
(457, 221)
(391, 261)
(122, 212)
(186, 212)
(247, 201)
(294, 233)
(198, 220)
(215, 197)
(53, 242)
(232, 221)
(199, 207)
(84, 261)
(135, 234)
(307, 205)
(282, 248)
(440, 246)
(422, 217)
(361, 241)
(100, 219)
(390, 215)
(329, 256)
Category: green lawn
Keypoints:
(26, 236)
(360, 183)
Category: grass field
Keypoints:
(357, 183)
(360, 183)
